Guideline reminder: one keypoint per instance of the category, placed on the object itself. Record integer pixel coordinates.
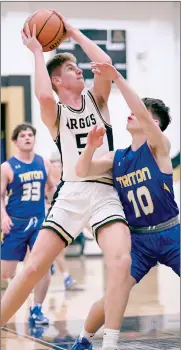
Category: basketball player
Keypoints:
(56, 171)
(142, 175)
(23, 177)
(69, 123)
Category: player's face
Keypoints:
(132, 123)
(25, 141)
(72, 77)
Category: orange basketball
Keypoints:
(49, 28)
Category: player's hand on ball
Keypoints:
(6, 224)
(30, 41)
(106, 70)
(95, 137)
(69, 29)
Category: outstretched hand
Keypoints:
(68, 28)
(106, 70)
(30, 40)
(95, 137)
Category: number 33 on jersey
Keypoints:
(145, 192)
(27, 190)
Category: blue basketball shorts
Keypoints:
(149, 249)
(23, 234)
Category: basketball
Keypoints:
(49, 28)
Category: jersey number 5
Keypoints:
(31, 191)
(81, 140)
(141, 192)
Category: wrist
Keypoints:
(117, 77)
(38, 51)
(75, 33)
(90, 148)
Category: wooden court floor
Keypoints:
(151, 320)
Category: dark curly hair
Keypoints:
(22, 127)
(159, 110)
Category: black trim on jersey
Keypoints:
(56, 231)
(68, 234)
(99, 182)
(78, 110)
(120, 219)
(59, 110)
(55, 197)
(57, 140)
(97, 108)
(109, 134)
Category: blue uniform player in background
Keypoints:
(143, 177)
(23, 179)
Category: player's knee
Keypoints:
(119, 265)
(7, 274)
(32, 269)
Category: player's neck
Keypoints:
(137, 141)
(26, 157)
(71, 98)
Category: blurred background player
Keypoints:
(143, 177)
(24, 178)
(56, 170)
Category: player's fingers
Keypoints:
(95, 63)
(10, 223)
(96, 66)
(34, 31)
(57, 13)
(94, 129)
(96, 72)
(23, 35)
(101, 130)
(5, 229)
(28, 31)
(106, 65)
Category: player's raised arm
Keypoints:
(43, 87)
(86, 166)
(151, 128)
(102, 86)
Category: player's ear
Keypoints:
(157, 122)
(57, 81)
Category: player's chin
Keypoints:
(28, 147)
(81, 82)
(128, 126)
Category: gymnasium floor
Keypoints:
(151, 320)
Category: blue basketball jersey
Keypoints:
(26, 193)
(145, 192)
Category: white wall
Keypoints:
(153, 55)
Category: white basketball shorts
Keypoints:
(77, 204)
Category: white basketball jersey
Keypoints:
(74, 127)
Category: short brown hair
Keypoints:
(22, 127)
(57, 61)
(159, 110)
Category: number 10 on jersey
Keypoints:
(137, 197)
